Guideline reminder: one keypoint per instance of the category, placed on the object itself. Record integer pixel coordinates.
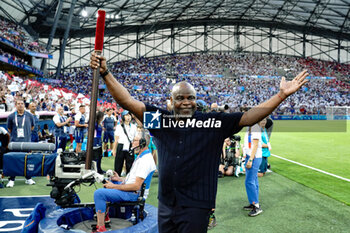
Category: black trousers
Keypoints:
(182, 219)
(119, 159)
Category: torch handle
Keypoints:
(92, 116)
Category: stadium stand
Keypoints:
(248, 83)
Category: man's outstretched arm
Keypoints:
(119, 93)
(261, 111)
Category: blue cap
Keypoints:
(201, 102)
(125, 112)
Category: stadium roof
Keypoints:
(328, 18)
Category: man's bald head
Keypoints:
(32, 107)
(214, 107)
(183, 99)
(183, 85)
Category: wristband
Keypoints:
(250, 160)
(104, 74)
(280, 97)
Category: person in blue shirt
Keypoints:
(109, 123)
(20, 125)
(265, 144)
(62, 124)
(98, 140)
(35, 131)
(80, 127)
(187, 173)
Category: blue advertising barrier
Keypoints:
(299, 117)
(308, 117)
(31, 53)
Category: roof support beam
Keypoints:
(125, 29)
(66, 33)
(52, 33)
(30, 12)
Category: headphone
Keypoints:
(142, 142)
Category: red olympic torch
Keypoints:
(100, 29)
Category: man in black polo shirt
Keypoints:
(187, 173)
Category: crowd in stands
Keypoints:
(148, 80)
(13, 57)
(231, 65)
(16, 34)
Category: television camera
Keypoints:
(69, 172)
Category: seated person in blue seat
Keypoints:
(124, 190)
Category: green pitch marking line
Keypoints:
(312, 168)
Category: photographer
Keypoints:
(124, 134)
(230, 156)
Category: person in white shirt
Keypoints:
(253, 150)
(128, 189)
(124, 134)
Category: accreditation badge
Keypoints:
(20, 133)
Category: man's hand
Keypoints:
(115, 176)
(249, 164)
(98, 61)
(109, 185)
(288, 88)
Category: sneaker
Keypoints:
(255, 211)
(30, 182)
(220, 175)
(248, 207)
(237, 169)
(212, 222)
(99, 229)
(10, 184)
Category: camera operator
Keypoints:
(230, 156)
(127, 189)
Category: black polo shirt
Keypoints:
(188, 157)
